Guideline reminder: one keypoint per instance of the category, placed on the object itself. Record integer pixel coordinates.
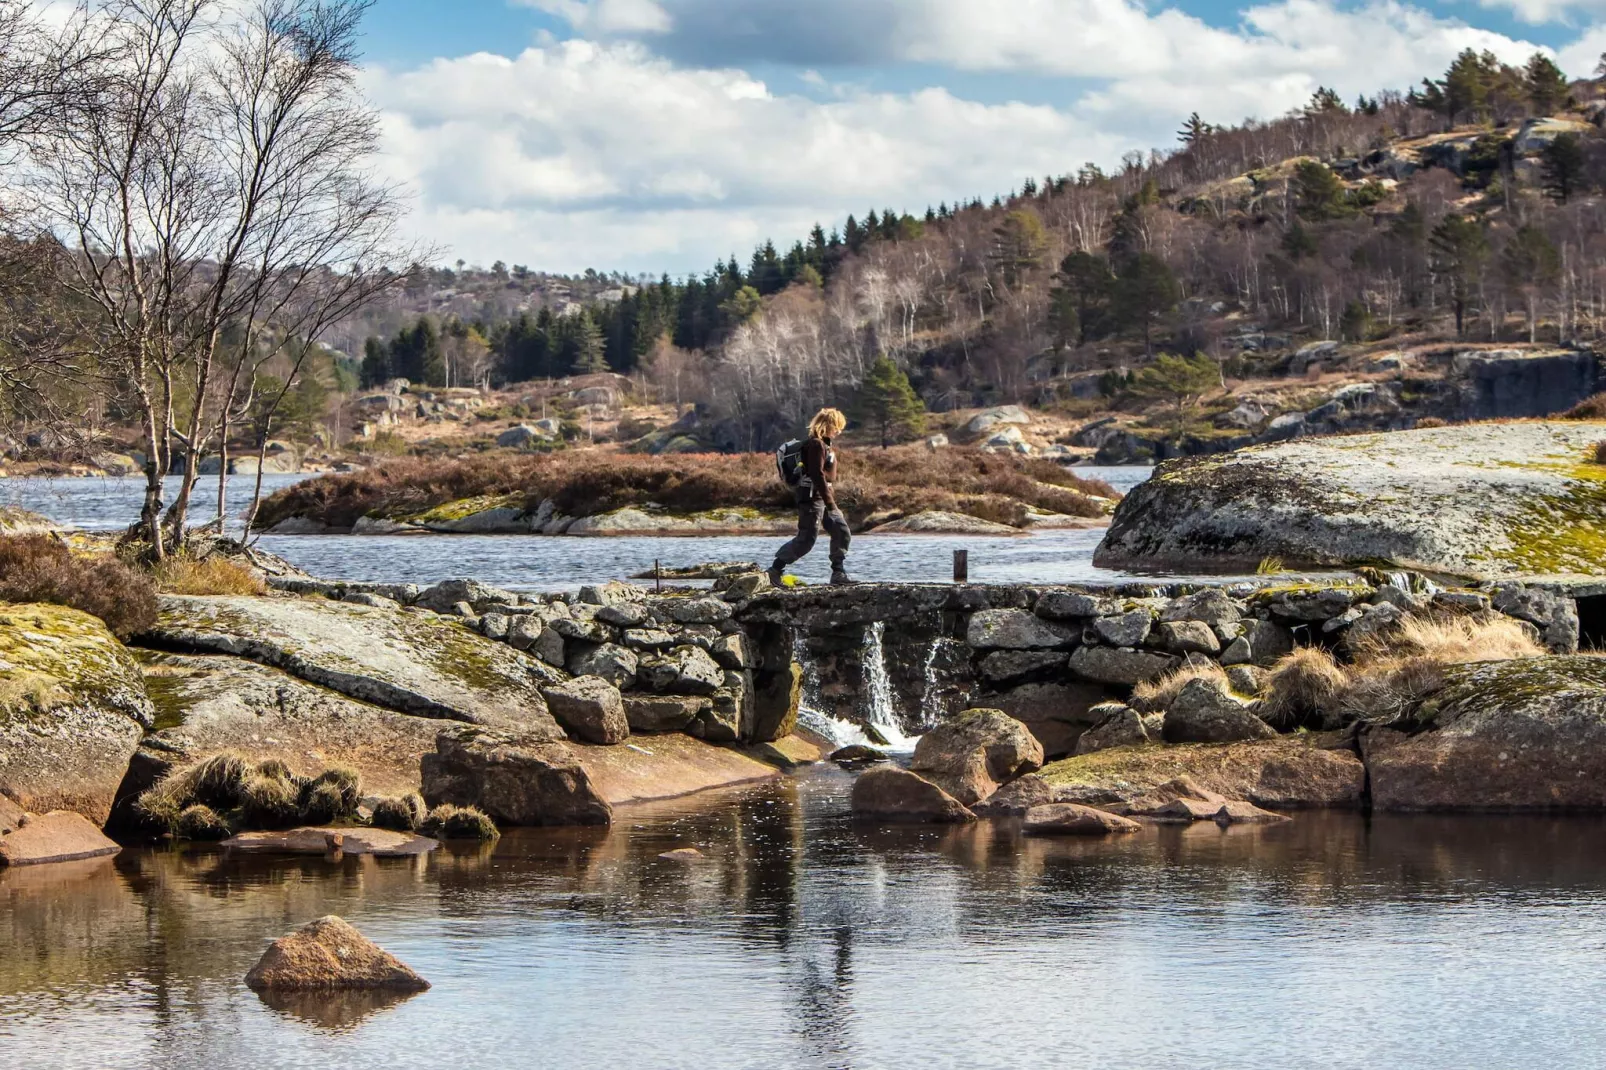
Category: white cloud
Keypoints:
(1580, 58)
(612, 152)
(1539, 12)
(581, 154)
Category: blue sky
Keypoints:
(659, 135)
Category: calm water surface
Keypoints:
(804, 941)
(534, 563)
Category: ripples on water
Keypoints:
(534, 563)
(804, 941)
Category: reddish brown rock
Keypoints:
(329, 954)
(970, 755)
(59, 836)
(888, 793)
(1070, 819)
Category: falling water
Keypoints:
(882, 714)
(811, 709)
(931, 697)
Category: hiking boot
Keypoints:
(840, 578)
(776, 575)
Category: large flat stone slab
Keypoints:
(72, 710)
(208, 704)
(665, 767)
(59, 836)
(410, 661)
(1477, 499)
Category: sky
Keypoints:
(663, 135)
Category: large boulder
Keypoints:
(1289, 772)
(1121, 726)
(662, 713)
(685, 670)
(444, 595)
(72, 710)
(516, 782)
(1056, 713)
(970, 755)
(1416, 498)
(1205, 712)
(1528, 734)
(887, 793)
(1555, 615)
(410, 661)
(590, 709)
(328, 955)
(611, 662)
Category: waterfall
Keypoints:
(931, 697)
(811, 713)
(882, 714)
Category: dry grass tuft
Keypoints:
(39, 568)
(1153, 696)
(1302, 687)
(213, 575)
(1591, 408)
(1453, 640)
(401, 814)
(1597, 454)
(448, 822)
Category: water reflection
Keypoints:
(804, 939)
(332, 1012)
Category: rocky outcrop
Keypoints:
(72, 710)
(887, 793)
(939, 522)
(1289, 772)
(1528, 734)
(380, 843)
(970, 756)
(1418, 499)
(1205, 711)
(410, 661)
(328, 955)
(210, 704)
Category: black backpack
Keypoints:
(789, 462)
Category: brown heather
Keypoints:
(903, 479)
(39, 568)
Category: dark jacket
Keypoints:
(819, 468)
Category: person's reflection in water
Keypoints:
(825, 1002)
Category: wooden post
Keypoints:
(961, 566)
(657, 576)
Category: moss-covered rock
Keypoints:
(1474, 499)
(17, 521)
(1287, 772)
(72, 710)
(409, 661)
(1527, 734)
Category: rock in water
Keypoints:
(72, 710)
(1070, 819)
(1416, 498)
(969, 756)
(329, 954)
(59, 836)
(1527, 734)
(887, 793)
(1016, 797)
(590, 709)
(515, 781)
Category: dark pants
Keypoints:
(811, 514)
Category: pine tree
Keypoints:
(375, 363)
(1545, 84)
(589, 356)
(1145, 291)
(1080, 302)
(1459, 249)
(1195, 129)
(1018, 245)
(1561, 167)
(1318, 193)
(1179, 381)
(887, 403)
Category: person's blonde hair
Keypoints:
(827, 423)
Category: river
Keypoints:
(804, 941)
(537, 563)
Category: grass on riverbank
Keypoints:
(901, 480)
